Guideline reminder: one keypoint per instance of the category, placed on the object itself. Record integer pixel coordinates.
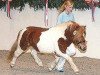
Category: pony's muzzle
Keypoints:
(83, 49)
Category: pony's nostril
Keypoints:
(84, 49)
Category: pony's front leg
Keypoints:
(37, 60)
(69, 59)
(73, 66)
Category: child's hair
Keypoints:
(67, 3)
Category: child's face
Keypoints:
(88, 1)
(69, 8)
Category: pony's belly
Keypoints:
(47, 42)
(45, 46)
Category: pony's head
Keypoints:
(75, 33)
(79, 38)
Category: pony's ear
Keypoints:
(84, 27)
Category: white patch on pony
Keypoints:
(48, 38)
(71, 50)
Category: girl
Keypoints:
(65, 15)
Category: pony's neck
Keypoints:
(69, 35)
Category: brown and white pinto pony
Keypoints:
(49, 40)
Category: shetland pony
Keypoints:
(49, 40)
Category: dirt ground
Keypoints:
(25, 65)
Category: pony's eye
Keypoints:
(84, 41)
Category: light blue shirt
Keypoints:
(64, 17)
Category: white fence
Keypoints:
(10, 27)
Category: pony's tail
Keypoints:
(13, 48)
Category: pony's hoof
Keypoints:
(40, 64)
(50, 69)
(12, 65)
(77, 71)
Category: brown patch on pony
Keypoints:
(62, 45)
(31, 37)
(13, 48)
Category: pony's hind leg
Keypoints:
(17, 53)
(37, 60)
